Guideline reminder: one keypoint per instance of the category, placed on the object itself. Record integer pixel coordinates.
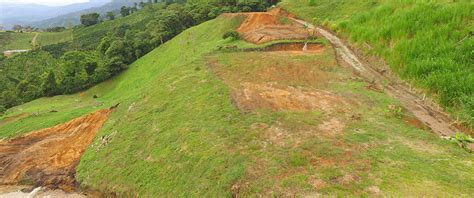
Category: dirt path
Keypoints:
(431, 116)
(33, 41)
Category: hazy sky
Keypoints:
(45, 2)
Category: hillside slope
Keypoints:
(428, 44)
(198, 118)
(15, 41)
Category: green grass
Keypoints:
(22, 41)
(178, 134)
(48, 38)
(15, 41)
(426, 42)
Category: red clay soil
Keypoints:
(48, 157)
(266, 96)
(296, 47)
(262, 27)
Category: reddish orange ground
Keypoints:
(48, 157)
(262, 27)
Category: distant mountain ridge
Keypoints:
(73, 18)
(24, 14)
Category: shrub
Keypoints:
(2, 109)
(234, 35)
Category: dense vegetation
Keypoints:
(100, 51)
(427, 42)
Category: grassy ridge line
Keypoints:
(424, 42)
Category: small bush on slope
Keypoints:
(428, 43)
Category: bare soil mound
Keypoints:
(48, 157)
(264, 27)
(265, 96)
(295, 47)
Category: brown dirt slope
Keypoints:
(264, 27)
(48, 157)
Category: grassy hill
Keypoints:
(426, 43)
(15, 41)
(49, 38)
(178, 132)
(22, 41)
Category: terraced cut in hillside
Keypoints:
(48, 157)
(269, 26)
(202, 116)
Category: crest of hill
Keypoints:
(72, 18)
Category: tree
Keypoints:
(118, 56)
(111, 15)
(124, 11)
(77, 68)
(134, 8)
(142, 4)
(90, 19)
(28, 28)
(49, 85)
(17, 27)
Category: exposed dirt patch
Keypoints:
(48, 157)
(271, 80)
(297, 47)
(267, 96)
(316, 183)
(262, 27)
(413, 121)
(332, 126)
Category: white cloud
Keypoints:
(45, 2)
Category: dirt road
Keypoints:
(33, 41)
(430, 115)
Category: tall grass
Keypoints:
(428, 43)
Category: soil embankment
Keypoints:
(48, 157)
(263, 27)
